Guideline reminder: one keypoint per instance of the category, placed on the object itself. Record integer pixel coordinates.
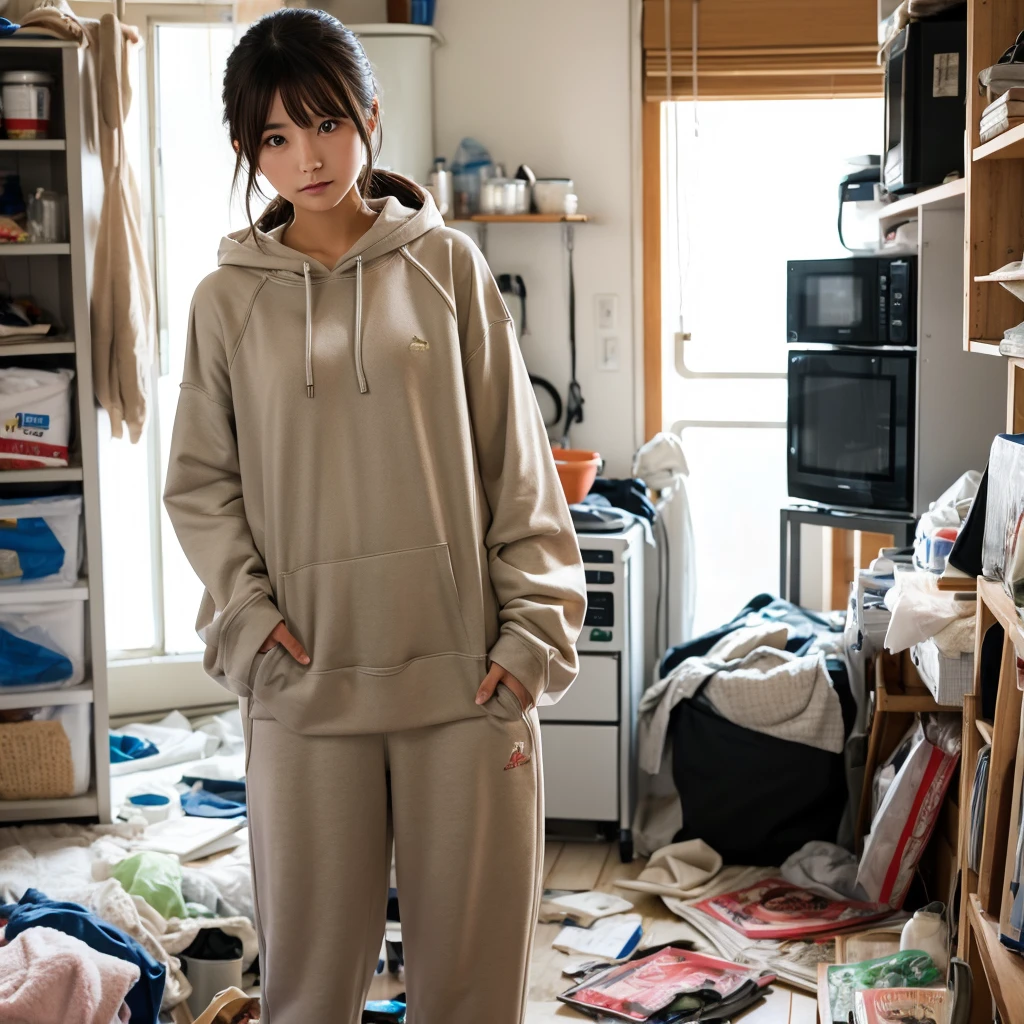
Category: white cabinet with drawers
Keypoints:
(589, 737)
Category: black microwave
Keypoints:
(851, 438)
(860, 300)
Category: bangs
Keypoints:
(309, 91)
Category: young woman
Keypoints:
(361, 478)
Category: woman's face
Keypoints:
(314, 168)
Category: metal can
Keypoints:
(26, 99)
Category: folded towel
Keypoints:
(48, 977)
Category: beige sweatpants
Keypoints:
(467, 819)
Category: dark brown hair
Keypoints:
(321, 71)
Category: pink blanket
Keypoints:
(47, 977)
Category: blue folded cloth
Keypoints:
(8, 28)
(130, 748)
(201, 803)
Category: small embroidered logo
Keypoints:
(517, 757)
(419, 345)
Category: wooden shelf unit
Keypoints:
(994, 200)
(984, 895)
(1008, 146)
(59, 278)
(948, 196)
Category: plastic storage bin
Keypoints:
(948, 679)
(42, 644)
(47, 754)
(40, 541)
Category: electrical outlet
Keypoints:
(608, 353)
(606, 313)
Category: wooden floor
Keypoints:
(596, 866)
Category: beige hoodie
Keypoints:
(358, 450)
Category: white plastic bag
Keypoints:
(909, 789)
(35, 417)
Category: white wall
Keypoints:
(548, 84)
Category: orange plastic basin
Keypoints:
(577, 470)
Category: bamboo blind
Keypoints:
(763, 49)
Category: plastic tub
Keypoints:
(577, 471)
(47, 754)
(42, 644)
(38, 535)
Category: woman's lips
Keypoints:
(316, 188)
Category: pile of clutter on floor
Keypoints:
(106, 922)
(757, 865)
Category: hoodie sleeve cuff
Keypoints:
(251, 626)
(518, 656)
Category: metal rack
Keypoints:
(60, 276)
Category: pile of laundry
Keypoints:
(77, 896)
(169, 768)
(101, 886)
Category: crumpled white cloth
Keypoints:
(224, 885)
(824, 868)
(920, 610)
(767, 690)
(175, 740)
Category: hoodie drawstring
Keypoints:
(309, 332)
(360, 373)
(359, 326)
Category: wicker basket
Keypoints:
(35, 761)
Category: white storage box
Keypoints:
(948, 679)
(47, 754)
(42, 643)
(33, 534)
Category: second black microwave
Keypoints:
(861, 300)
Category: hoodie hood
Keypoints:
(395, 227)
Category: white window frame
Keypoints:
(141, 682)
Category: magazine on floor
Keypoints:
(640, 989)
(777, 909)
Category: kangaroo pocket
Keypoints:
(375, 612)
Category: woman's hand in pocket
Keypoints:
(280, 635)
(498, 675)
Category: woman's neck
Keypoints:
(327, 235)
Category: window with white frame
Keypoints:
(186, 163)
(748, 185)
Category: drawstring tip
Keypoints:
(363, 389)
(309, 390)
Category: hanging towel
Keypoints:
(122, 301)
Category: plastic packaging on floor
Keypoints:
(42, 645)
(909, 790)
(46, 753)
(35, 417)
(39, 541)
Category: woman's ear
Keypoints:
(234, 145)
(374, 119)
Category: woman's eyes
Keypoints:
(326, 127)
